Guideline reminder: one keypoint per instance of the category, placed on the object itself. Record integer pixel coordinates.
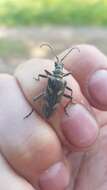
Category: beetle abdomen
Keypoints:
(47, 111)
(51, 100)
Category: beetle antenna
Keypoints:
(69, 52)
(52, 49)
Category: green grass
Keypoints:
(73, 12)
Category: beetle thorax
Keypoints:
(58, 72)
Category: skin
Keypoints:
(67, 151)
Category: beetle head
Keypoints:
(59, 65)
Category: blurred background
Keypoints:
(25, 24)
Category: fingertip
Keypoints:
(56, 177)
(97, 89)
(79, 128)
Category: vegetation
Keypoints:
(10, 47)
(73, 12)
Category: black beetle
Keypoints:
(55, 88)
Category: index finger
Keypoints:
(89, 67)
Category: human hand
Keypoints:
(67, 152)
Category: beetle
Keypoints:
(56, 86)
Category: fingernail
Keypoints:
(55, 178)
(97, 87)
(79, 127)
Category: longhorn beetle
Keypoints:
(55, 88)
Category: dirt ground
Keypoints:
(20, 44)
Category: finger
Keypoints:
(87, 132)
(89, 67)
(94, 164)
(55, 178)
(30, 145)
(9, 180)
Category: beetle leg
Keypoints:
(29, 114)
(43, 76)
(68, 88)
(47, 72)
(65, 108)
(65, 75)
(34, 99)
(69, 97)
(38, 79)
